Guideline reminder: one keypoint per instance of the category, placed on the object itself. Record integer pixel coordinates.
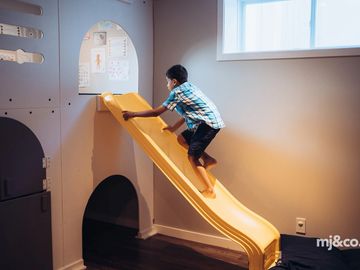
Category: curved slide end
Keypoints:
(259, 238)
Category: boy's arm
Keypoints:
(149, 113)
(175, 126)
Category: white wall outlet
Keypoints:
(300, 225)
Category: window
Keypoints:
(251, 29)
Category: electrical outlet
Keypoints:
(300, 225)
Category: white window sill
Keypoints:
(316, 53)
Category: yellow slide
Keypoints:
(258, 237)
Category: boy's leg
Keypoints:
(200, 141)
(201, 172)
(182, 141)
(197, 145)
(208, 161)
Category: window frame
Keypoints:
(289, 54)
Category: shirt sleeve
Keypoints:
(171, 101)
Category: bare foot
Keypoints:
(209, 194)
(209, 163)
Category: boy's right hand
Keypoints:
(127, 115)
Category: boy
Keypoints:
(201, 116)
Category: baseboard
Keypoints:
(144, 234)
(78, 265)
(207, 239)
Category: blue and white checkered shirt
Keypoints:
(191, 103)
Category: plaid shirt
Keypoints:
(191, 103)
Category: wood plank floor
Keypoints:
(110, 247)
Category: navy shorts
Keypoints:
(199, 139)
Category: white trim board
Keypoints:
(207, 239)
(146, 233)
(77, 265)
(349, 51)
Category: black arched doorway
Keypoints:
(111, 219)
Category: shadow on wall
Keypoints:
(114, 153)
(113, 149)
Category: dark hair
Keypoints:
(177, 72)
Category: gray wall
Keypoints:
(94, 146)
(291, 145)
(85, 146)
(34, 88)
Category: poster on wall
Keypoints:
(98, 60)
(87, 36)
(99, 38)
(105, 25)
(118, 70)
(118, 46)
(84, 75)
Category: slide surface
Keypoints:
(258, 237)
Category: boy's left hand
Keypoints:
(169, 128)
